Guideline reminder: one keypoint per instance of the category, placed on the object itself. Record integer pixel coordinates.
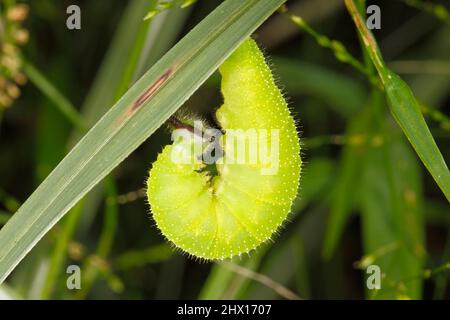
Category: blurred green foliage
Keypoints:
(365, 197)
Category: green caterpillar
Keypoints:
(221, 214)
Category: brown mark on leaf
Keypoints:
(147, 94)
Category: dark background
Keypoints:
(34, 137)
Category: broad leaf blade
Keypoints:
(120, 131)
(405, 109)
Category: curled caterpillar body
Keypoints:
(248, 196)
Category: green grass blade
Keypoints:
(114, 77)
(165, 29)
(390, 201)
(102, 94)
(121, 130)
(345, 189)
(405, 109)
(340, 92)
(281, 266)
(4, 217)
(392, 223)
(8, 293)
(316, 181)
(106, 241)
